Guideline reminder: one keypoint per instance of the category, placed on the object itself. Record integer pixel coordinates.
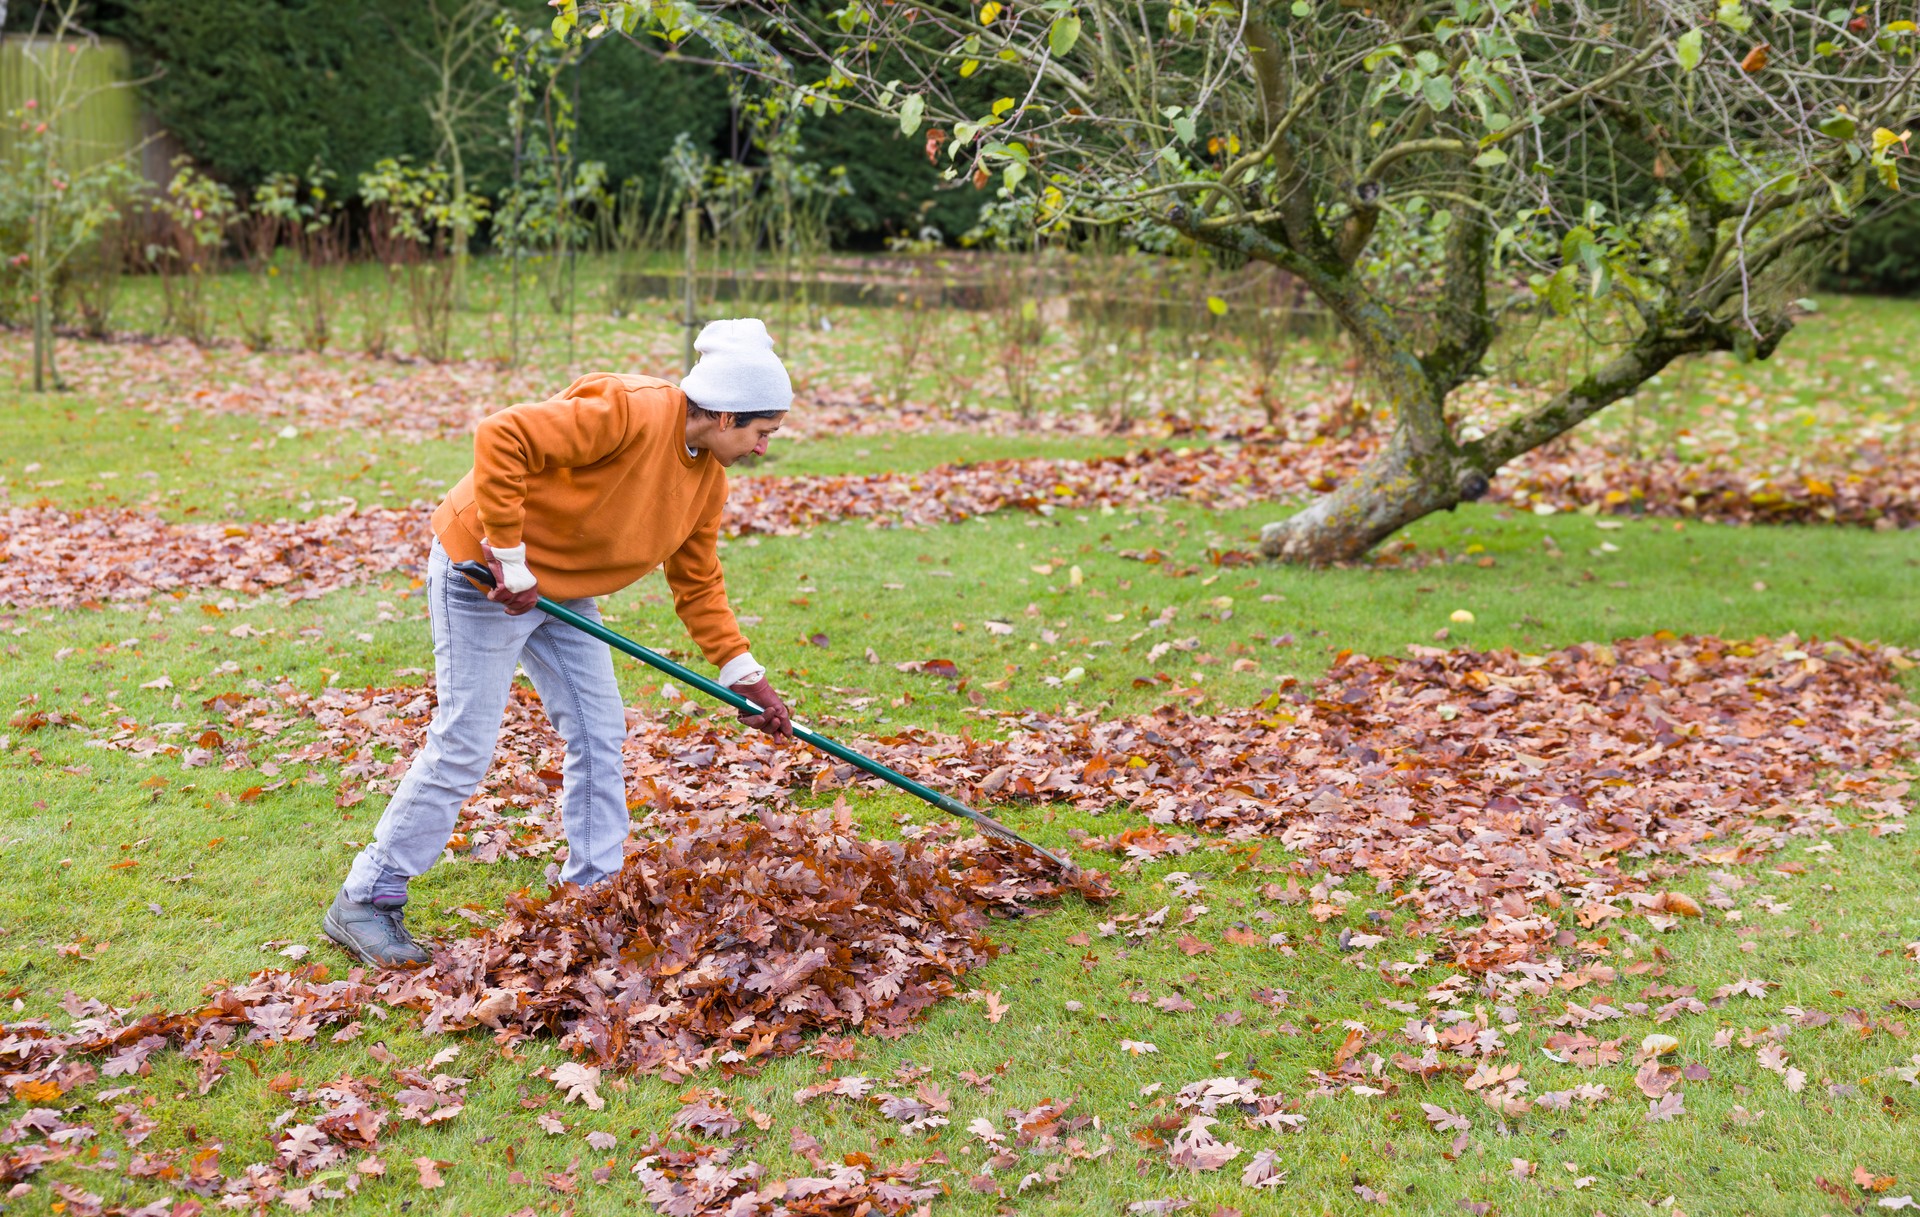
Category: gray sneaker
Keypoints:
(374, 932)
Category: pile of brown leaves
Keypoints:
(724, 939)
(1223, 477)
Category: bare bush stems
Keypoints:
(318, 237)
(1017, 323)
(193, 214)
(258, 229)
(412, 219)
(911, 325)
(96, 274)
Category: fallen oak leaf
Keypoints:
(1444, 1120)
(1260, 1171)
(1867, 1181)
(1669, 1106)
(580, 1082)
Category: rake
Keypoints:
(479, 574)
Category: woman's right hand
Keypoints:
(509, 567)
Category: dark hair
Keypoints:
(743, 416)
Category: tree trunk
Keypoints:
(460, 235)
(1389, 492)
(42, 283)
(1402, 482)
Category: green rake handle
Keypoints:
(479, 574)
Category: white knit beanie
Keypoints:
(738, 372)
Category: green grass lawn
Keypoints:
(222, 885)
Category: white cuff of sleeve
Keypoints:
(513, 564)
(741, 669)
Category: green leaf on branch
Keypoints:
(1563, 290)
(1063, 33)
(1439, 92)
(1733, 15)
(910, 113)
(1689, 50)
(1375, 58)
(1838, 126)
(1841, 203)
(1490, 158)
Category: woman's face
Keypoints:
(736, 439)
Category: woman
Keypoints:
(572, 498)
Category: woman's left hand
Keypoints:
(775, 719)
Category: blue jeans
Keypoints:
(476, 647)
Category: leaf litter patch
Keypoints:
(1504, 800)
(61, 559)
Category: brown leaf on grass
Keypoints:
(1678, 903)
(1655, 1080)
(1867, 1181)
(1444, 1120)
(581, 1084)
(1349, 1047)
(1669, 1106)
(1196, 1148)
(430, 1172)
(1260, 1171)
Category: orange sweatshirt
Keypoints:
(598, 483)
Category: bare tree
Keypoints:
(1659, 172)
(461, 44)
(68, 191)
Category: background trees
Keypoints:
(1667, 175)
(256, 88)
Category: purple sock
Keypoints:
(390, 888)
